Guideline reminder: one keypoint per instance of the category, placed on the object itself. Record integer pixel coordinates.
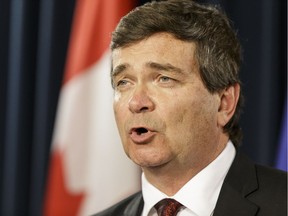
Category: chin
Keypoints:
(148, 161)
(148, 155)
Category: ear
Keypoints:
(228, 101)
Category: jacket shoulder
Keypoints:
(130, 206)
(252, 189)
(270, 177)
(272, 190)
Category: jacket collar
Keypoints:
(240, 181)
(135, 207)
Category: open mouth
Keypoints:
(140, 131)
(141, 135)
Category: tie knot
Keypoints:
(167, 207)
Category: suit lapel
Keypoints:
(240, 181)
(135, 206)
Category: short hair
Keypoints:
(218, 50)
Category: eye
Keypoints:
(122, 83)
(165, 79)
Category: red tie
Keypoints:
(167, 207)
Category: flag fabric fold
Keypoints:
(88, 170)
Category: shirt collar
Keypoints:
(200, 194)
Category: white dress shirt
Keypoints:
(200, 194)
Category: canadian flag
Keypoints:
(89, 170)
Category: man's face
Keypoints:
(164, 113)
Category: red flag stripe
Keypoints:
(93, 24)
(59, 200)
(94, 21)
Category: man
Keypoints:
(177, 103)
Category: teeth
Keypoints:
(140, 131)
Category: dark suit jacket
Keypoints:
(248, 190)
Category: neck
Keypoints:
(168, 181)
(171, 177)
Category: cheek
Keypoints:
(191, 114)
(182, 108)
(119, 105)
(120, 122)
(119, 115)
(117, 96)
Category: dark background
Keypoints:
(33, 42)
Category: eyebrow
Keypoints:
(164, 67)
(153, 65)
(118, 69)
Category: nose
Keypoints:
(141, 101)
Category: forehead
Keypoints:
(160, 47)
